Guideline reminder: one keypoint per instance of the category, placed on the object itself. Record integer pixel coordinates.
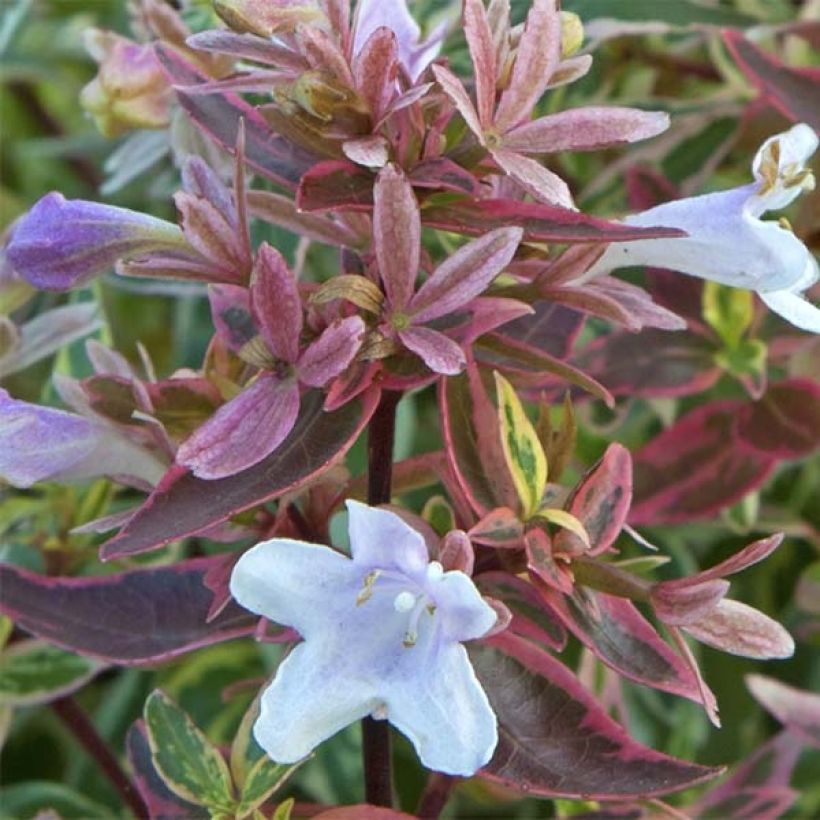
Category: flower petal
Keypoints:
(465, 274)
(46, 444)
(439, 352)
(243, 431)
(445, 714)
(63, 243)
(308, 702)
(794, 147)
(725, 244)
(793, 308)
(380, 539)
(296, 584)
(464, 612)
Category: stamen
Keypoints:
(404, 601)
(412, 635)
(367, 591)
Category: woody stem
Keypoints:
(378, 772)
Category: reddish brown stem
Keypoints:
(86, 734)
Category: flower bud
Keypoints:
(572, 33)
(62, 243)
(266, 17)
(130, 90)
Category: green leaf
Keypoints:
(184, 758)
(33, 672)
(284, 809)
(439, 514)
(677, 13)
(522, 449)
(256, 776)
(728, 310)
(48, 799)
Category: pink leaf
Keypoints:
(96, 616)
(244, 431)
(396, 235)
(739, 629)
(796, 709)
(534, 178)
(184, 505)
(455, 90)
(601, 502)
(440, 353)
(482, 52)
(332, 352)
(248, 47)
(375, 69)
(554, 738)
(231, 315)
(441, 173)
(539, 50)
(585, 129)
(680, 606)
(464, 275)
(275, 304)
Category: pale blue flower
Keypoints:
(382, 636)
(45, 444)
(728, 242)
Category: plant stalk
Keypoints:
(86, 734)
(376, 753)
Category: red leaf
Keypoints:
(795, 93)
(336, 185)
(184, 505)
(601, 502)
(556, 741)
(102, 616)
(541, 223)
(624, 640)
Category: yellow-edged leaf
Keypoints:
(522, 448)
(567, 520)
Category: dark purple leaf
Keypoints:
(556, 741)
(795, 93)
(696, 467)
(442, 174)
(651, 363)
(552, 328)
(184, 505)
(541, 223)
(785, 422)
(141, 617)
(220, 114)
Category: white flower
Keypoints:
(382, 636)
(728, 242)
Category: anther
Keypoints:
(367, 590)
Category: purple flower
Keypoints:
(383, 633)
(45, 444)
(63, 243)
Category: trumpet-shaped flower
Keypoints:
(382, 636)
(45, 444)
(729, 243)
